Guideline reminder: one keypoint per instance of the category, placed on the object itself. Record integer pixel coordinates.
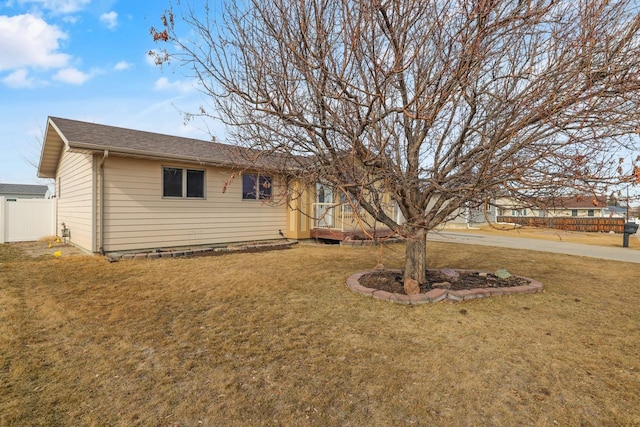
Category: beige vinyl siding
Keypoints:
(582, 212)
(138, 217)
(74, 189)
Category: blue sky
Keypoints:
(84, 60)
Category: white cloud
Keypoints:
(20, 79)
(110, 19)
(72, 76)
(122, 65)
(59, 6)
(71, 19)
(28, 41)
(163, 84)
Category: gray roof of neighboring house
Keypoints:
(26, 189)
(92, 137)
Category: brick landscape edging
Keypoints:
(207, 251)
(436, 295)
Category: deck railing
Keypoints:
(343, 217)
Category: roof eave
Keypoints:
(50, 171)
(149, 155)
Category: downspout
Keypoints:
(101, 201)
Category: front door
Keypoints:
(324, 206)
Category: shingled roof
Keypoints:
(92, 137)
(577, 202)
(25, 189)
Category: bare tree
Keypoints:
(438, 103)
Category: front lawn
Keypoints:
(276, 338)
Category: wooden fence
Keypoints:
(589, 224)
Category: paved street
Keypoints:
(616, 254)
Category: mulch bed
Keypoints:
(392, 281)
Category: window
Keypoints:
(172, 182)
(591, 212)
(256, 187)
(574, 212)
(178, 182)
(195, 183)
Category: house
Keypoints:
(120, 190)
(23, 191)
(566, 206)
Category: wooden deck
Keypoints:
(338, 235)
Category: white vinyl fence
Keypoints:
(25, 220)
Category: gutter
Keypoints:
(150, 155)
(101, 168)
(231, 162)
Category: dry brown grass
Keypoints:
(276, 338)
(597, 239)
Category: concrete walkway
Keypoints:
(611, 253)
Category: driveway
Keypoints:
(612, 253)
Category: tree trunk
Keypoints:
(415, 264)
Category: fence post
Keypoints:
(3, 223)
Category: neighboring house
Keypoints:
(472, 217)
(578, 206)
(481, 215)
(568, 206)
(126, 190)
(24, 191)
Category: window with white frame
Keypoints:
(182, 183)
(256, 187)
